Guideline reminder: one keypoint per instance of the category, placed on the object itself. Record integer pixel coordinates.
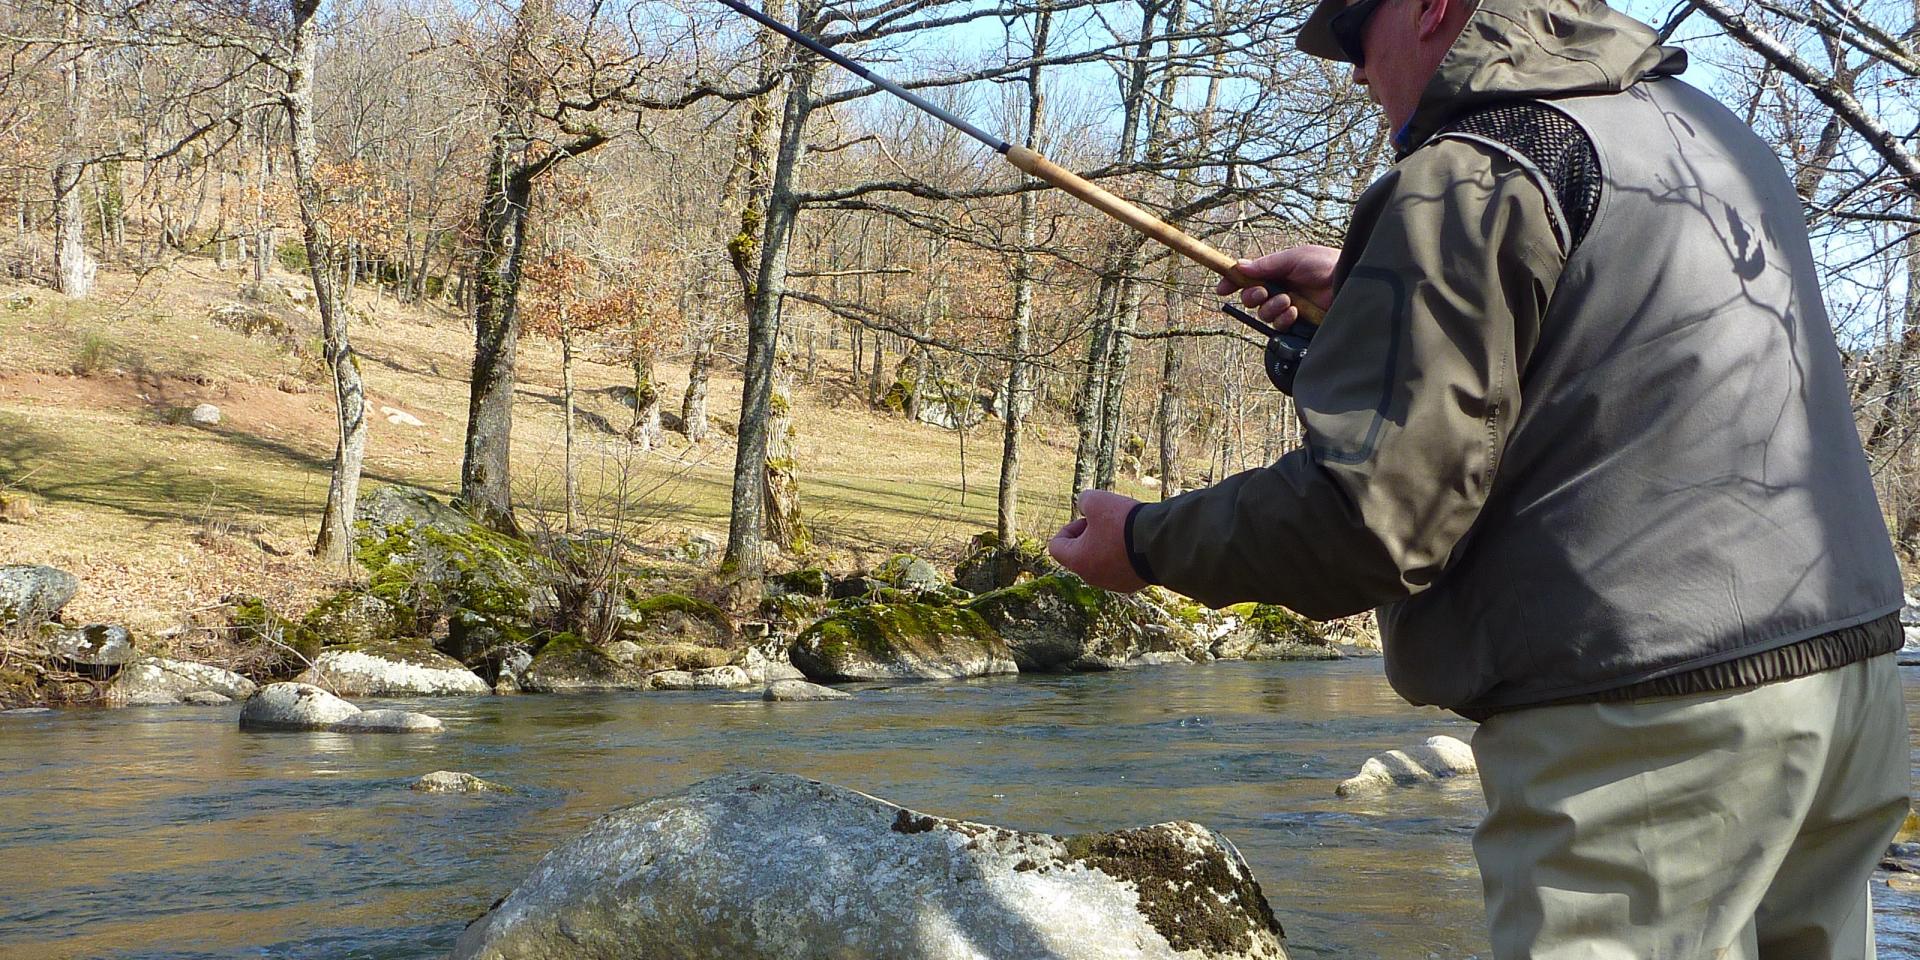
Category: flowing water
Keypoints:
(166, 832)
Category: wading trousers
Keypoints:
(1728, 826)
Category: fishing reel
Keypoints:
(1285, 348)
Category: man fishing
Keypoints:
(1576, 426)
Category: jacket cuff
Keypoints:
(1141, 567)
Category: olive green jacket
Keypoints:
(1493, 458)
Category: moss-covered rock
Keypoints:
(892, 641)
(649, 658)
(568, 664)
(807, 582)
(1059, 622)
(284, 646)
(355, 617)
(1265, 631)
(430, 561)
(675, 618)
(995, 566)
(908, 572)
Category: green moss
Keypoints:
(1198, 901)
(884, 631)
(253, 622)
(1279, 622)
(810, 582)
(1087, 599)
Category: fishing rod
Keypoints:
(1285, 348)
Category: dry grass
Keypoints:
(160, 519)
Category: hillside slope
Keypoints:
(160, 518)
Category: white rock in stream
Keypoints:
(1436, 759)
(301, 706)
(420, 673)
(157, 680)
(758, 865)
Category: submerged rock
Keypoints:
(31, 595)
(901, 641)
(760, 865)
(392, 669)
(451, 781)
(1436, 759)
(158, 680)
(302, 706)
(802, 691)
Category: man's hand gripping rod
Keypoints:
(1285, 348)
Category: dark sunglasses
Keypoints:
(1349, 29)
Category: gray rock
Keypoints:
(25, 711)
(392, 670)
(992, 566)
(94, 645)
(696, 549)
(301, 706)
(32, 595)
(1436, 759)
(450, 781)
(204, 415)
(623, 650)
(206, 698)
(753, 866)
(801, 691)
(909, 572)
(1159, 659)
(158, 680)
(901, 641)
(670, 680)
(767, 662)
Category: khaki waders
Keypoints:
(1741, 825)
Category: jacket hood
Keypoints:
(1524, 50)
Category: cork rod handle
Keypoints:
(1199, 251)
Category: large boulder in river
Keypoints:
(302, 706)
(158, 680)
(900, 641)
(754, 865)
(1059, 622)
(31, 595)
(674, 618)
(392, 668)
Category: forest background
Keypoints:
(644, 268)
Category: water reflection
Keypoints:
(158, 833)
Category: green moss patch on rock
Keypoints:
(1265, 631)
(430, 561)
(1190, 892)
(287, 647)
(676, 618)
(995, 566)
(1059, 622)
(354, 617)
(807, 582)
(569, 664)
(877, 641)
(650, 658)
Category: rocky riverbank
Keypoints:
(449, 608)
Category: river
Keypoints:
(168, 833)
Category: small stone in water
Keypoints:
(450, 781)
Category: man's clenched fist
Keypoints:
(1095, 545)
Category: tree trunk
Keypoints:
(571, 474)
(72, 268)
(1014, 414)
(485, 473)
(763, 332)
(693, 407)
(349, 395)
(784, 526)
(645, 432)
